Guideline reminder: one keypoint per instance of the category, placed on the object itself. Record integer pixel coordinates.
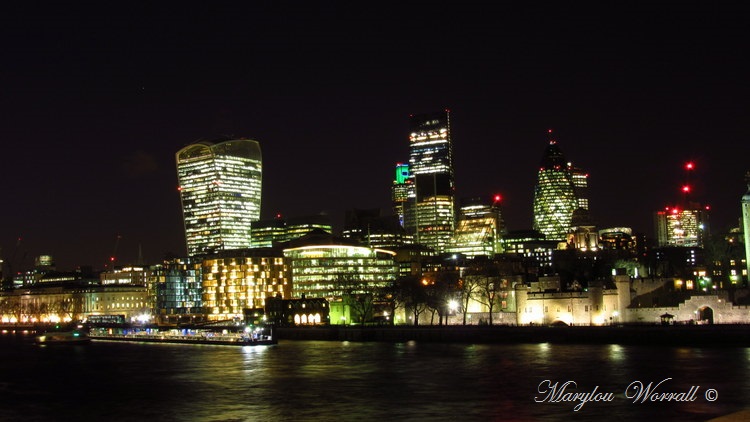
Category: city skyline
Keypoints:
(96, 103)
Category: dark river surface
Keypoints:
(369, 381)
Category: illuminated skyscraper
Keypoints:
(580, 181)
(431, 216)
(220, 189)
(746, 223)
(555, 194)
(480, 226)
(677, 226)
(685, 225)
(402, 190)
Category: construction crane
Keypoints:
(8, 278)
(113, 257)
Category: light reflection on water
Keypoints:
(311, 381)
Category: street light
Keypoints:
(453, 305)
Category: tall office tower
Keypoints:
(677, 226)
(480, 227)
(431, 216)
(685, 225)
(220, 189)
(402, 190)
(746, 223)
(555, 194)
(580, 186)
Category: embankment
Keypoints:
(698, 336)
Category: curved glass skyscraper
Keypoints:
(220, 188)
(555, 196)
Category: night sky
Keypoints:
(96, 99)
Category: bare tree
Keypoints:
(415, 298)
(71, 307)
(488, 288)
(439, 292)
(393, 299)
(357, 294)
(34, 310)
(362, 306)
(468, 288)
(5, 307)
(16, 308)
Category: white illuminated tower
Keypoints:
(430, 217)
(746, 222)
(220, 189)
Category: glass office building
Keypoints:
(480, 227)
(236, 280)
(330, 271)
(555, 194)
(431, 216)
(220, 191)
(677, 226)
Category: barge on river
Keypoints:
(186, 336)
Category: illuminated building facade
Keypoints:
(402, 190)
(236, 280)
(295, 312)
(531, 246)
(618, 239)
(220, 191)
(431, 216)
(746, 225)
(266, 233)
(583, 234)
(177, 287)
(681, 227)
(125, 275)
(368, 227)
(299, 226)
(64, 303)
(580, 181)
(480, 227)
(331, 271)
(555, 194)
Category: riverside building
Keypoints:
(236, 280)
(332, 270)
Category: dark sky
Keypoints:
(95, 100)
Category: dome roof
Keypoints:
(553, 157)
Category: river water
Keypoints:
(346, 381)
